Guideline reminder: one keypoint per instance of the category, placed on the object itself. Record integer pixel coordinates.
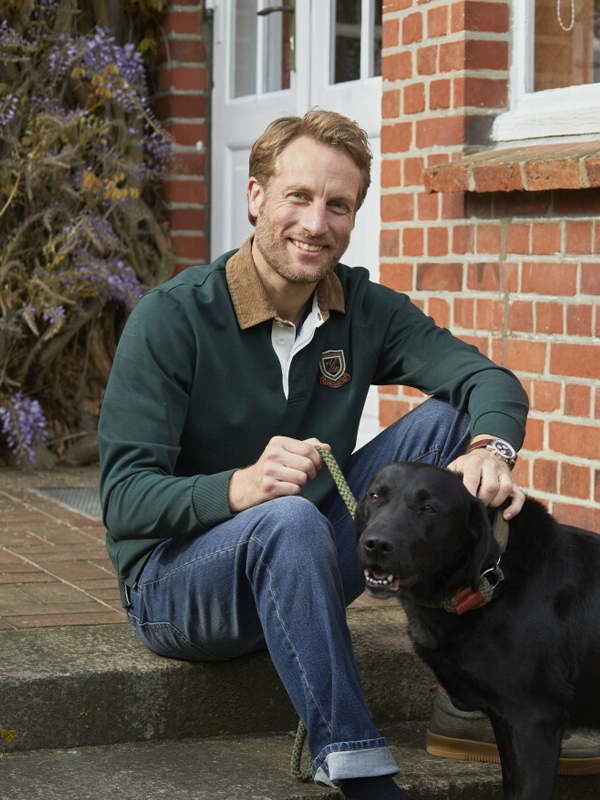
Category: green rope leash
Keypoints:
(348, 498)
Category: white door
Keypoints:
(269, 62)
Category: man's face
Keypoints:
(305, 215)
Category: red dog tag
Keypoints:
(466, 599)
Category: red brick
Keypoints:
(480, 92)
(453, 205)
(545, 238)
(597, 485)
(437, 22)
(439, 309)
(446, 179)
(546, 396)
(480, 16)
(590, 278)
(534, 437)
(188, 135)
(585, 202)
(427, 60)
(548, 278)
(546, 174)
(579, 237)
(182, 22)
(579, 320)
(520, 316)
(440, 94)
(578, 400)
(413, 171)
(390, 104)
(194, 247)
(437, 241)
(188, 164)
(510, 272)
(526, 356)
(184, 106)
(396, 138)
(463, 239)
(445, 131)
(390, 173)
(190, 50)
(473, 54)
(484, 277)
(413, 241)
(577, 360)
(389, 246)
(427, 206)
(187, 219)
(517, 238)
(490, 315)
(545, 475)
(397, 276)
(439, 277)
(397, 67)
(582, 441)
(489, 239)
(396, 207)
(184, 191)
(391, 410)
(390, 32)
(412, 28)
(183, 78)
(597, 404)
(549, 318)
(414, 98)
(464, 312)
(395, 5)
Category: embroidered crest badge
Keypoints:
(333, 369)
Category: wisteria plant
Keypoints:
(81, 237)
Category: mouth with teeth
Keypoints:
(381, 583)
(309, 248)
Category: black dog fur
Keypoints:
(530, 658)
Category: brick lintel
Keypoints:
(527, 168)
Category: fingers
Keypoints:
(487, 478)
(284, 468)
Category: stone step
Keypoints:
(250, 767)
(89, 686)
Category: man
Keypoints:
(226, 533)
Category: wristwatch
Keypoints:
(501, 449)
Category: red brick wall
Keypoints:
(182, 105)
(517, 273)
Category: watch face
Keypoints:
(504, 449)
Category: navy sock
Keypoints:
(379, 788)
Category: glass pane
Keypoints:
(377, 8)
(347, 41)
(567, 43)
(276, 58)
(243, 68)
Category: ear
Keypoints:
(255, 196)
(479, 528)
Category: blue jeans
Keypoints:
(280, 575)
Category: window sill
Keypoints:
(520, 169)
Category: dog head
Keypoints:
(420, 530)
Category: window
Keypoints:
(356, 32)
(555, 74)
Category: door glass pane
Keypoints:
(346, 62)
(243, 39)
(376, 10)
(277, 54)
(567, 43)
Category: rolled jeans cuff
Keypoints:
(368, 758)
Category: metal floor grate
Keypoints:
(83, 499)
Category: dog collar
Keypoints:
(465, 599)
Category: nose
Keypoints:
(314, 219)
(377, 545)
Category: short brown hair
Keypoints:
(327, 127)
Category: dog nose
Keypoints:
(378, 544)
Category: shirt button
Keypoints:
(281, 340)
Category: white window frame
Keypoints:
(572, 111)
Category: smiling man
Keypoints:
(227, 535)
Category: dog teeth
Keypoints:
(385, 581)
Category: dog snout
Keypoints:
(377, 544)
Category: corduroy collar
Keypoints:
(252, 306)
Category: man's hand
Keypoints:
(284, 467)
(486, 477)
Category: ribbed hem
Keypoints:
(500, 425)
(209, 499)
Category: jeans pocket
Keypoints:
(165, 639)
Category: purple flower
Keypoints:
(23, 425)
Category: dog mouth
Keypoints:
(382, 583)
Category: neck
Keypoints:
(289, 299)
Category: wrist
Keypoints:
(500, 448)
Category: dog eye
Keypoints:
(428, 509)
(374, 498)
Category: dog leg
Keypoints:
(529, 751)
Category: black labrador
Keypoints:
(516, 636)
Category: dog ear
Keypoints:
(479, 528)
